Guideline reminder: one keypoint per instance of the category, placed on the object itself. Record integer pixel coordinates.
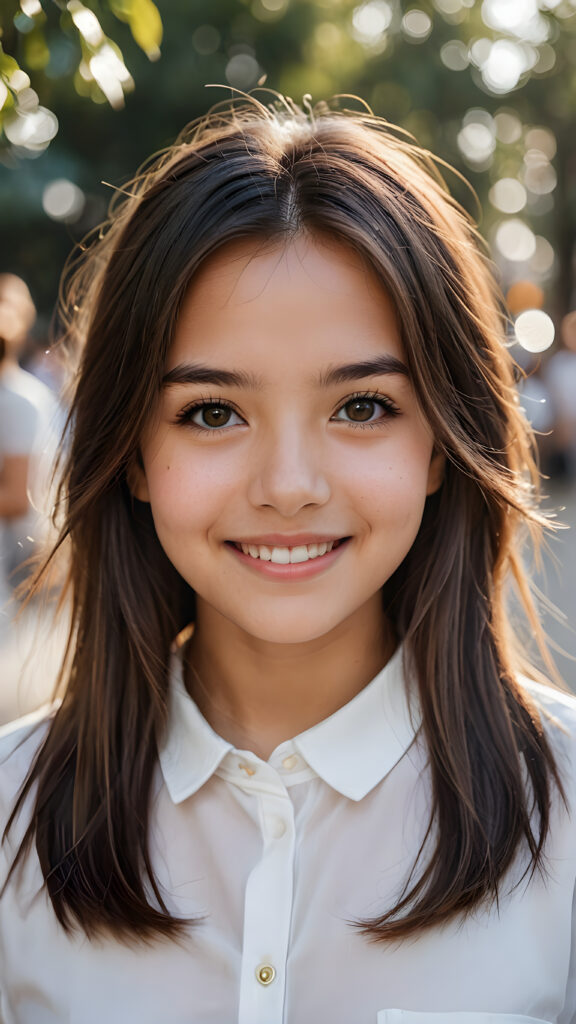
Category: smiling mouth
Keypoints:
(286, 555)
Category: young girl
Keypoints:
(298, 774)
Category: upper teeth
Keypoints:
(285, 555)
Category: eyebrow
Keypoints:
(197, 373)
(380, 366)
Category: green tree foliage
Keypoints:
(94, 59)
(490, 85)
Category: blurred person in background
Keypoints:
(537, 406)
(28, 419)
(45, 364)
(560, 379)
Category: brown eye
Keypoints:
(209, 416)
(214, 415)
(367, 409)
(361, 409)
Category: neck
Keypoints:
(256, 694)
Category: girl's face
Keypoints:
(288, 461)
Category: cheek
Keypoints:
(394, 488)
(188, 490)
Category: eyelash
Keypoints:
(390, 409)
(184, 417)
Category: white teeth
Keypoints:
(284, 556)
(299, 554)
(281, 556)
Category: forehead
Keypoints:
(307, 297)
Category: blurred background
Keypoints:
(88, 90)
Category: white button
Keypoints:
(291, 762)
(275, 827)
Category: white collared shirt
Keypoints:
(276, 859)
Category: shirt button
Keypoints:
(248, 768)
(291, 762)
(265, 974)
(275, 827)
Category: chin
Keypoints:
(286, 632)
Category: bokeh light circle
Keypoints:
(515, 240)
(508, 195)
(417, 25)
(63, 200)
(524, 295)
(534, 330)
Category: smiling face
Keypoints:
(288, 462)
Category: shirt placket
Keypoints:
(268, 904)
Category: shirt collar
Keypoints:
(357, 746)
(352, 750)
(190, 750)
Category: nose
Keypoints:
(289, 473)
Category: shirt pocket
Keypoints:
(457, 1017)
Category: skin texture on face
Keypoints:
(289, 451)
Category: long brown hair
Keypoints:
(252, 171)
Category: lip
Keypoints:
(294, 571)
(292, 540)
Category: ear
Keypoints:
(136, 479)
(436, 472)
